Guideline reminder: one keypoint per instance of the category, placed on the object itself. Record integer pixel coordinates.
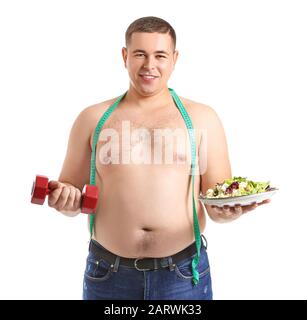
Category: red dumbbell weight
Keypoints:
(89, 194)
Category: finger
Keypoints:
(77, 199)
(218, 209)
(71, 198)
(235, 213)
(226, 210)
(254, 205)
(264, 202)
(54, 196)
(232, 214)
(60, 204)
(250, 207)
(53, 184)
(238, 209)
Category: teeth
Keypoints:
(148, 77)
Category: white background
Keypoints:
(246, 59)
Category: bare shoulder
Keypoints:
(91, 115)
(201, 114)
(98, 108)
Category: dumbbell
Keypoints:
(40, 190)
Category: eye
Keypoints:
(139, 54)
(161, 56)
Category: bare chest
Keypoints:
(160, 138)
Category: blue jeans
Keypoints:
(173, 282)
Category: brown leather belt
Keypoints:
(143, 264)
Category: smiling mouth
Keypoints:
(148, 77)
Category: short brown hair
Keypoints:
(150, 24)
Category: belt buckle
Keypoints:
(136, 267)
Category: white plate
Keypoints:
(241, 200)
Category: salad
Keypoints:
(237, 186)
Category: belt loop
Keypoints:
(205, 245)
(114, 267)
(171, 264)
(155, 263)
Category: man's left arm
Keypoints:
(214, 165)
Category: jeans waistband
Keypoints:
(143, 264)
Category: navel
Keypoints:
(146, 229)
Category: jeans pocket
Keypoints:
(184, 268)
(97, 270)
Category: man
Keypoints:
(143, 244)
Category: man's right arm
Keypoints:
(75, 173)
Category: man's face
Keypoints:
(149, 54)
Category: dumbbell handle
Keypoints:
(40, 190)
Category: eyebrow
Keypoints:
(143, 51)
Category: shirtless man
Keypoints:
(145, 209)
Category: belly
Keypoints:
(146, 212)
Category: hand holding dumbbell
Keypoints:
(63, 197)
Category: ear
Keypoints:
(176, 53)
(124, 54)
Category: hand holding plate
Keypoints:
(228, 213)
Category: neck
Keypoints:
(149, 101)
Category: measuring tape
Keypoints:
(190, 128)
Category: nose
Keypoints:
(149, 63)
